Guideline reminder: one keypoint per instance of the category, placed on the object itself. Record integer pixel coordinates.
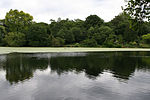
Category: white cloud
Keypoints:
(44, 10)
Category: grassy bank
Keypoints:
(6, 50)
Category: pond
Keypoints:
(75, 76)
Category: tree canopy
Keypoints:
(18, 29)
(17, 21)
(138, 9)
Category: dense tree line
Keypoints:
(18, 29)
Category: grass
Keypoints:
(6, 50)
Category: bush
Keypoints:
(57, 42)
(89, 43)
(146, 38)
(110, 45)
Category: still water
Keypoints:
(75, 76)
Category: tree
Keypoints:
(121, 26)
(15, 39)
(119, 23)
(66, 35)
(90, 32)
(17, 21)
(57, 42)
(89, 43)
(2, 34)
(93, 21)
(55, 27)
(78, 36)
(37, 35)
(105, 31)
(138, 9)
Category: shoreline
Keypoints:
(7, 50)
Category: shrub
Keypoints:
(89, 43)
(146, 38)
(57, 42)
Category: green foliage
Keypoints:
(55, 27)
(93, 21)
(90, 32)
(18, 21)
(105, 31)
(89, 43)
(37, 36)
(121, 26)
(66, 35)
(57, 42)
(15, 39)
(2, 34)
(18, 26)
(77, 34)
(146, 38)
(120, 23)
(138, 9)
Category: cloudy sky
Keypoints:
(44, 10)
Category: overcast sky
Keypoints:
(44, 10)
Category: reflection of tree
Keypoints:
(20, 67)
(92, 65)
(121, 64)
(2, 60)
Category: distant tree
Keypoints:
(57, 42)
(2, 34)
(121, 26)
(17, 21)
(119, 23)
(90, 32)
(78, 35)
(93, 21)
(105, 31)
(37, 36)
(56, 26)
(111, 41)
(66, 35)
(89, 43)
(15, 39)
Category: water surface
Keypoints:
(75, 76)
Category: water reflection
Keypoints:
(122, 65)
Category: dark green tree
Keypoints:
(15, 39)
(66, 35)
(37, 36)
(93, 21)
(58, 42)
(101, 37)
(78, 35)
(121, 26)
(2, 34)
(89, 43)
